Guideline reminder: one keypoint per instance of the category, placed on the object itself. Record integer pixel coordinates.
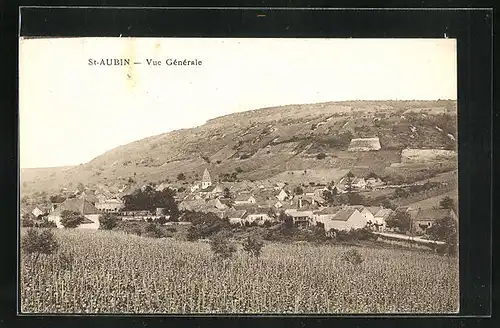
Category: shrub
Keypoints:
(162, 220)
(27, 222)
(321, 156)
(108, 221)
(39, 242)
(47, 224)
(153, 231)
(71, 219)
(253, 246)
(221, 247)
(352, 256)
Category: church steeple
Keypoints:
(206, 181)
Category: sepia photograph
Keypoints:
(222, 176)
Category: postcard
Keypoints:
(238, 176)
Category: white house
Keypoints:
(110, 205)
(258, 215)
(380, 218)
(245, 199)
(37, 212)
(374, 182)
(79, 205)
(235, 216)
(346, 219)
(302, 218)
(283, 195)
(324, 215)
(359, 183)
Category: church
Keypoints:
(205, 187)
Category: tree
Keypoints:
(238, 170)
(80, 187)
(253, 246)
(221, 247)
(447, 203)
(47, 224)
(400, 193)
(71, 219)
(321, 156)
(349, 178)
(150, 199)
(162, 220)
(445, 229)
(181, 176)
(298, 190)
(388, 204)
(355, 198)
(108, 221)
(57, 199)
(400, 220)
(39, 242)
(226, 193)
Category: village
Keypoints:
(248, 203)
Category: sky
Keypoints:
(71, 112)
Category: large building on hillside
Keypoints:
(364, 144)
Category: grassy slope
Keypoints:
(252, 133)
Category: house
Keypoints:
(278, 204)
(367, 212)
(364, 144)
(136, 213)
(206, 180)
(279, 185)
(80, 205)
(110, 205)
(318, 192)
(301, 217)
(206, 192)
(346, 219)
(37, 212)
(324, 215)
(235, 216)
(192, 205)
(374, 182)
(222, 204)
(90, 197)
(283, 195)
(425, 218)
(301, 201)
(196, 185)
(309, 191)
(381, 216)
(259, 216)
(358, 183)
(245, 199)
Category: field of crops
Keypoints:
(110, 272)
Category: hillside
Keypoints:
(265, 143)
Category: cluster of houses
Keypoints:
(251, 206)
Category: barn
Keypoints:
(80, 205)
